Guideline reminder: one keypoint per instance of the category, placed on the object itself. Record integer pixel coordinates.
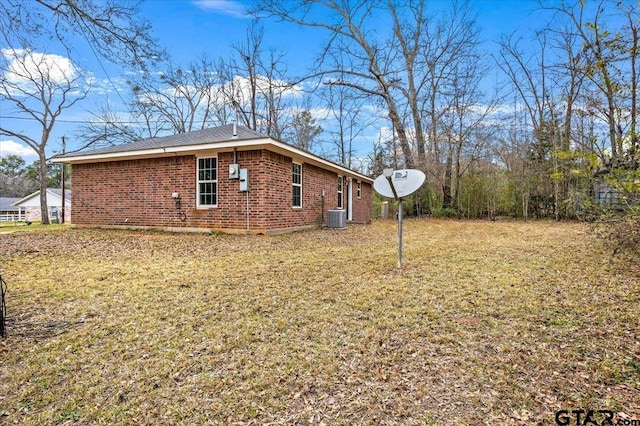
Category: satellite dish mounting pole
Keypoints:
(393, 188)
(399, 233)
(398, 184)
(388, 173)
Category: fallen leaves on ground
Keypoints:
(487, 323)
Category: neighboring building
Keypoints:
(616, 197)
(9, 212)
(31, 205)
(228, 178)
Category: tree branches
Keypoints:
(113, 29)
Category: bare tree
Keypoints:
(569, 77)
(633, 48)
(112, 28)
(109, 127)
(448, 41)
(256, 85)
(406, 70)
(599, 46)
(466, 124)
(39, 87)
(177, 99)
(304, 130)
(349, 115)
(513, 142)
(529, 76)
(366, 63)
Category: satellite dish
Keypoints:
(405, 182)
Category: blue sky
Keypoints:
(189, 28)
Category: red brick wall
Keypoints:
(362, 206)
(139, 193)
(132, 192)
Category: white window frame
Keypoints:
(296, 185)
(359, 189)
(340, 192)
(198, 182)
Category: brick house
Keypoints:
(228, 178)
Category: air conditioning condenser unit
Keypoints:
(336, 219)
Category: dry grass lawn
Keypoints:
(488, 323)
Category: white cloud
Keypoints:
(9, 147)
(226, 7)
(106, 86)
(240, 87)
(26, 67)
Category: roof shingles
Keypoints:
(197, 137)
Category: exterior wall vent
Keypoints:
(336, 219)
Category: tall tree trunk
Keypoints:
(446, 185)
(634, 85)
(402, 134)
(458, 175)
(44, 208)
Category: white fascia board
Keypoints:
(158, 152)
(93, 158)
(319, 161)
(50, 196)
(214, 146)
(25, 199)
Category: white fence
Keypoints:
(12, 217)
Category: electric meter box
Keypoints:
(234, 171)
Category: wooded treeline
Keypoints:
(544, 127)
(540, 123)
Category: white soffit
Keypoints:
(260, 143)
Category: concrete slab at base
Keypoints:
(201, 230)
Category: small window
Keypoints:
(297, 186)
(207, 182)
(359, 190)
(339, 192)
